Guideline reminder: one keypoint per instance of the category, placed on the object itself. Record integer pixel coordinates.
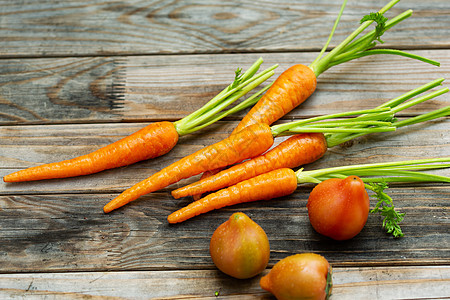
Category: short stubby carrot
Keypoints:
(151, 141)
(287, 92)
(247, 143)
(274, 184)
(297, 150)
(155, 139)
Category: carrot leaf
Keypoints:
(353, 47)
(381, 20)
(385, 206)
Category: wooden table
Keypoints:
(78, 75)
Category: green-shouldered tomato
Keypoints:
(299, 277)
(240, 247)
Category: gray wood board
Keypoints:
(154, 88)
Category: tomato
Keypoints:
(338, 208)
(299, 276)
(240, 247)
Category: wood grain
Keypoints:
(349, 283)
(74, 28)
(79, 74)
(154, 88)
(66, 232)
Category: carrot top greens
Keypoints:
(352, 47)
(338, 130)
(212, 111)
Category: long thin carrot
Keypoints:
(257, 138)
(277, 183)
(252, 141)
(298, 82)
(282, 182)
(155, 139)
(306, 147)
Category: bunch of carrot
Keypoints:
(253, 136)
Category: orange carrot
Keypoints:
(247, 143)
(155, 139)
(297, 150)
(151, 141)
(288, 91)
(277, 183)
(283, 182)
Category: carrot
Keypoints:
(255, 139)
(282, 182)
(151, 141)
(297, 150)
(306, 147)
(155, 139)
(247, 143)
(277, 183)
(298, 82)
(288, 91)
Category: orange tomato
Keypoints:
(299, 276)
(338, 208)
(240, 247)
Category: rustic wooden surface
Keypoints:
(77, 75)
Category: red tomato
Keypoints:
(299, 276)
(338, 208)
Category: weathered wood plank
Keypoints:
(152, 88)
(67, 232)
(349, 283)
(26, 146)
(73, 28)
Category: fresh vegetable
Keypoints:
(274, 184)
(240, 247)
(155, 139)
(211, 159)
(300, 276)
(305, 148)
(339, 208)
(298, 82)
(282, 182)
(255, 139)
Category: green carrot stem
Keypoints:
(398, 104)
(222, 95)
(211, 111)
(231, 99)
(438, 113)
(319, 66)
(278, 129)
(353, 56)
(250, 101)
(361, 169)
(408, 95)
(341, 130)
(369, 37)
(324, 48)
